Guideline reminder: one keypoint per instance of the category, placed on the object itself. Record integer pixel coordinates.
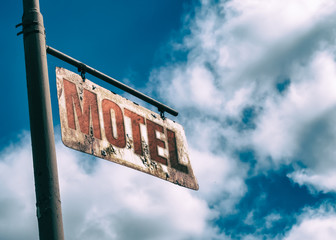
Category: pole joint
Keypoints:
(31, 24)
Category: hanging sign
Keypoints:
(96, 121)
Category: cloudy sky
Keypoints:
(254, 82)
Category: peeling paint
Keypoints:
(129, 141)
(165, 159)
(103, 153)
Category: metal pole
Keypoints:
(48, 204)
(161, 107)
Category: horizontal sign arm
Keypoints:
(161, 107)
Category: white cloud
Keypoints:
(114, 202)
(317, 228)
(100, 200)
(221, 180)
(325, 182)
(314, 225)
(238, 52)
(287, 118)
(17, 205)
(271, 219)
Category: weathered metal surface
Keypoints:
(48, 200)
(96, 121)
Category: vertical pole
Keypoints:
(48, 204)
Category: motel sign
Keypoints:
(96, 121)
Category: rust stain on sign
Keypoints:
(96, 121)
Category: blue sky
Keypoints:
(254, 84)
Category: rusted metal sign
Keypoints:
(96, 121)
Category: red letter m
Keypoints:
(88, 108)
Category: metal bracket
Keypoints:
(82, 71)
(30, 27)
(18, 25)
(162, 114)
